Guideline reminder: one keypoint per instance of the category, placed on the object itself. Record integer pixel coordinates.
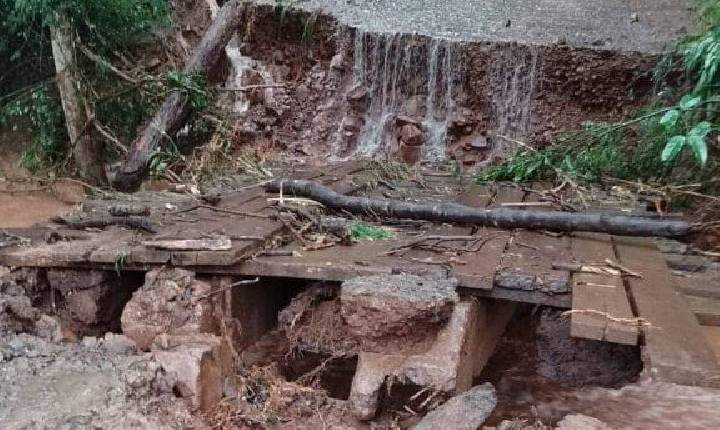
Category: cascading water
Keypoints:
(241, 66)
(514, 77)
(436, 117)
(395, 69)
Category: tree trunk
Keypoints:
(175, 110)
(86, 154)
(504, 218)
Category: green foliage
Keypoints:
(361, 231)
(163, 158)
(45, 114)
(26, 64)
(670, 144)
(194, 87)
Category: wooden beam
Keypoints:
(676, 348)
(600, 303)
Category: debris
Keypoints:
(503, 217)
(466, 411)
(219, 244)
(581, 422)
(80, 223)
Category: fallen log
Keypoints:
(175, 110)
(502, 217)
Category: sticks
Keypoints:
(502, 217)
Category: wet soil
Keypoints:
(23, 200)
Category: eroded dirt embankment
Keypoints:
(317, 87)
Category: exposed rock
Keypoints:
(479, 144)
(581, 422)
(351, 123)
(410, 154)
(357, 94)
(402, 120)
(411, 135)
(466, 411)
(167, 303)
(407, 307)
(337, 62)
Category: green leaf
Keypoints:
(701, 129)
(673, 148)
(699, 148)
(688, 102)
(670, 119)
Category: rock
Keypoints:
(48, 328)
(118, 344)
(479, 144)
(357, 94)
(581, 422)
(393, 306)
(467, 411)
(402, 120)
(411, 135)
(337, 62)
(167, 303)
(351, 124)
(410, 154)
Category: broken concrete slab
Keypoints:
(389, 312)
(467, 411)
(196, 367)
(446, 366)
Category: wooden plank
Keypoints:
(477, 195)
(596, 299)
(676, 349)
(479, 270)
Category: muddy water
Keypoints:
(23, 202)
(540, 373)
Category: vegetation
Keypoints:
(106, 33)
(660, 143)
(361, 231)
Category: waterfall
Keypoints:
(436, 120)
(514, 76)
(241, 65)
(395, 68)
